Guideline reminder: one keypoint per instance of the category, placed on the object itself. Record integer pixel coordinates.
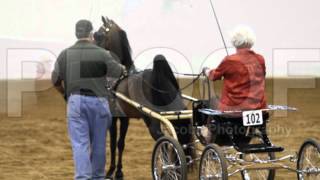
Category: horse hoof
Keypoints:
(108, 178)
(119, 175)
(110, 172)
(119, 178)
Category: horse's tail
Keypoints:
(166, 95)
(165, 87)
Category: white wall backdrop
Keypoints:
(183, 30)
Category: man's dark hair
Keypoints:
(83, 28)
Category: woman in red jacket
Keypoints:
(243, 74)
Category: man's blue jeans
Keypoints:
(88, 121)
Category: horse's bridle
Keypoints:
(107, 24)
(104, 30)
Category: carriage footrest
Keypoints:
(261, 148)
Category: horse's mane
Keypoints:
(118, 43)
(126, 50)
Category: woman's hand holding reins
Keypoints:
(206, 71)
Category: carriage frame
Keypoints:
(228, 159)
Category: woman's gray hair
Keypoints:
(242, 37)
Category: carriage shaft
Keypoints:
(189, 98)
(178, 117)
(176, 112)
(149, 112)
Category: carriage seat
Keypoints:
(229, 130)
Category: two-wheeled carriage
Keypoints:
(232, 142)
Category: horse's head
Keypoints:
(111, 37)
(108, 29)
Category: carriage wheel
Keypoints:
(265, 174)
(168, 160)
(309, 160)
(213, 164)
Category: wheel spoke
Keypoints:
(164, 177)
(164, 154)
(307, 157)
(256, 174)
(160, 157)
(246, 175)
(258, 158)
(262, 174)
(178, 175)
(211, 166)
(175, 159)
(170, 175)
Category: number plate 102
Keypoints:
(252, 118)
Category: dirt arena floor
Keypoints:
(36, 145)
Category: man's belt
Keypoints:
(85, 93)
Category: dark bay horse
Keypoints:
(156, 89)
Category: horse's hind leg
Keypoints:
(184, 132)
(113, 146)
(121, 144)
(154, 127)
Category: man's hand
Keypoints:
(124, 71)
(59, 87)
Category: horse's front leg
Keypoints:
(121, 144)
(113, 146)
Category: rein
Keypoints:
(118, 81)
(181, 89)
(186, 74)
(193, 81)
